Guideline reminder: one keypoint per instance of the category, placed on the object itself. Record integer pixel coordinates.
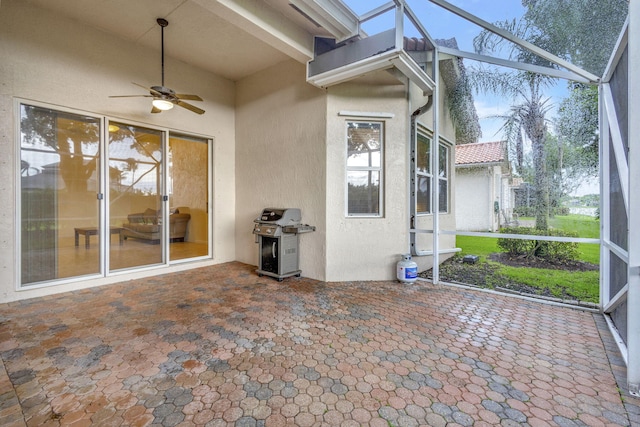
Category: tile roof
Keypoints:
(480, 152)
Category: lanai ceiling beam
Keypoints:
(523, 66)
(518, 41)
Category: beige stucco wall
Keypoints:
(55, 60)
(361, 248)
(476, 191)
(280, 158)
(283, 126)
(369, 248)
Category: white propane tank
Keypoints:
(407, 269)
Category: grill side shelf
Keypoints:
(298, 229)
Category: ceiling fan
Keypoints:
(163, 97)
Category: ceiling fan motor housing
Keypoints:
(163, 90)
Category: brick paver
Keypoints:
(222, 346)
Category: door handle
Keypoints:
(273, 250)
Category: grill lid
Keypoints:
(280, 216)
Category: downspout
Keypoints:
(413, 143)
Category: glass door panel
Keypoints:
(136, 216)
(188, 160)
(59, 178)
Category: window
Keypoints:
(423, 171)
(424, 178)
(364, 168)
(443, 178)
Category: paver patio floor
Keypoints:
(221, 346)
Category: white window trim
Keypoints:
(428, 175)
(447, 176)
(380, 169)
(449, 146)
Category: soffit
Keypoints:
(199, 32)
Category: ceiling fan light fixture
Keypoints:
(162, 104)
(164, 98)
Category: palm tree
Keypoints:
(528, 113)
(131, 166)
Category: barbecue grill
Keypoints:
(277, 233)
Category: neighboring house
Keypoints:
(484, 197)
(288, 123)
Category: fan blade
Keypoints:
(188, 97)
(130, 96)
(152, 91)
(190, 107)
(155, 110)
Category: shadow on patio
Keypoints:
(222, 346)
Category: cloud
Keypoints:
(487, 108)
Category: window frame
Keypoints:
(379, 169)
(446, 177)
(103, 199)
(429, 175)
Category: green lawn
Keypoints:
(585, 226)
(482, 246)
(574, 285)
(577, 285)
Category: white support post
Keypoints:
(400, 25)
(435, 168)
(605, 204)
(633, 301)
(616, 142)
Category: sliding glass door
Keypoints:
(101, 196)
(188, 160)
(59, 178)
(136, 208)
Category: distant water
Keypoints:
(584, 211)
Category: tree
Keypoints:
(528, 113)
(583, 32)
(459, 97)
(66, 134)
(577, 127)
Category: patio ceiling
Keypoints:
(231, 38)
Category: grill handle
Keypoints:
(273, 250)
